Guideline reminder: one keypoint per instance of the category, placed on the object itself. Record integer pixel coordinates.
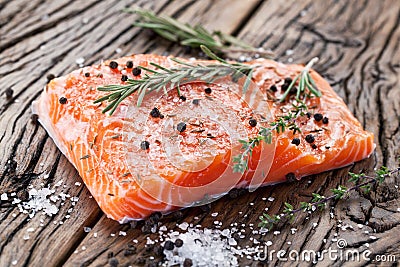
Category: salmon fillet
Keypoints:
(135, 163)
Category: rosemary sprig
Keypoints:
(193, 36)
(306, 87)
(162, 77)
(306, 83)
(360, 181)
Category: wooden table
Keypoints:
(358, 44)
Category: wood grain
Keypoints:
(357, 42)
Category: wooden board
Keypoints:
(357, 42)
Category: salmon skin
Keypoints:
(142, 160)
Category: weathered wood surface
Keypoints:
(357, 41)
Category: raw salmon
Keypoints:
(177, 151)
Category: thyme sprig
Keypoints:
(265, 134)
(193, 36)
(361, 182)
(306, 88)
(162, 78)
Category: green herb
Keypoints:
(163, 77)
(305, 88)
(193, 36)
(361, 182)
(306, 85)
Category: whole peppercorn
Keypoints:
(314, 146)
(145, 145)
(273, 88)
(178, 243)
(113, 64)
(310, 138)
(155, 113)
(196, 101)
(182, 97)
(129, 64)
(288, 80)
(136, 71)
(181, 127)
(9, 93)
(290, 177)
(208, 90)
(253, 122)
(296, 141)
(318, 116)
(325, 120)
(169, 245)
(50, 77)
(187, 262)
(113, 262)
(87, 74)
(124, 78)
(63, 100)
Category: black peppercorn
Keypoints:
(63, 100)
(169, 245)
(124, 78)
(136, 71)
(310, 138)
(129, 64)
(34, 118)
(290, 177)
(208, 90)
(9, 93)
(325, 120)
(178, 243)
(308, 115)
(187, 262)
(296, 141)
(181, 126)
(158, 250)
(182, 97)
(87, 74)
(314, 146)
(145, 145)
(50, 77)
(113, 64)
(113, 262)
(253, 122)
(161, 116)
(318, 116)
(273, 88)
(284, 86)
(196, 101)
(288, 80)
(155, 113)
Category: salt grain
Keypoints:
(87, 229)
(4, 196)
(270, 199)
(215, 214)
(79, 61)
